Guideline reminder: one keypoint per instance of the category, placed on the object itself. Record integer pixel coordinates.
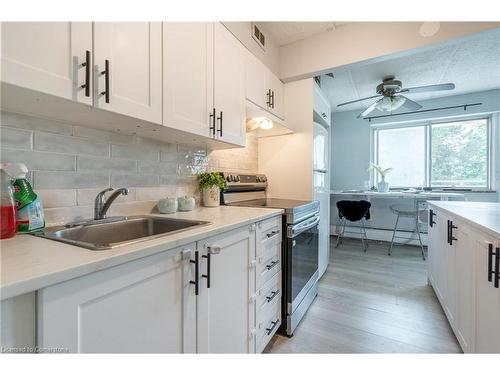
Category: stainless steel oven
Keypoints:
(300, 248)
(300, 260)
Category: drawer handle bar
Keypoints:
(271, 265)
(272, 234)
(272, 296)
(196, 262)
(274, 323)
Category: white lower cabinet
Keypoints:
(459, 263)
(157, 305)
(226, 312)
(144, 306)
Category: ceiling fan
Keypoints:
(390, 98)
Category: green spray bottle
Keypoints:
(30, 216)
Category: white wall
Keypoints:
(287, 160)
(350, 154)
(269, 57)
(359, 41)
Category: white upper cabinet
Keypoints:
(322, 108)
(128, 68)
(48, 57)
(263, 88)
(256, 85)
(226, 309)
(188, 76)
(229, 87)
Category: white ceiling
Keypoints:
(473, 64)
(283, 33)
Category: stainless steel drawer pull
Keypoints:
(272, 264)
(274, 323)
(272, 296)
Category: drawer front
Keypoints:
(269, 293)
(268, 263)
(268, 322)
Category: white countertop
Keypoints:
(483, 215)
(28, 263)
(399, 194)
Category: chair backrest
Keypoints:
(354, 210)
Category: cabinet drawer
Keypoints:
(269, 293)
(269, 229)
(268, 322)
(268, 263)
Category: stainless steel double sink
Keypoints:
(111, 233)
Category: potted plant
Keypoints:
(210, 184)
(382, 186)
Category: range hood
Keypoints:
(262, 123)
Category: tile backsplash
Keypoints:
(70, 164)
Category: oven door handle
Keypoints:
(302, 227)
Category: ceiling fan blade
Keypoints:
(410, 104)
(358, 100)
(439, 87)
(370, 109)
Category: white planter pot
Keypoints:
(211, 197)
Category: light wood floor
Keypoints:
(372, 303)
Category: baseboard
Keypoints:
(380, 235)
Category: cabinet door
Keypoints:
(322, 109)
(133, 50)
(226, 310)
(47, 57)
(229, 91)
(256, 82)
(188, 76)
(277, 100)
(487, 299)
(437, 255)
(144, 306)
(465, 288)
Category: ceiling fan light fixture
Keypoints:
(391, 103)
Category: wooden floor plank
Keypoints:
(372, 303)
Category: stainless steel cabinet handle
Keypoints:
(272, 99)
(268, 94)
(105, 72)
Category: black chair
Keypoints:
(354, 211)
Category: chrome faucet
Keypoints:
(101, 206)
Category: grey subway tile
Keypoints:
(87, 163)
(15, 138)
(70, 145)
(135, 153)
(134, 180)
(40, 161)
(102, 135)
(21, 121)
(69, 180)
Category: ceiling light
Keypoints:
(391, 103)
(429, 28)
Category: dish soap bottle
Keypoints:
(7, 206)
(30, 216)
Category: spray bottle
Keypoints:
(30, 215)
(7, 206)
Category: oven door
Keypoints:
(303, 251)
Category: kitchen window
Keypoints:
(454, 154)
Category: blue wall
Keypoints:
(350, 153)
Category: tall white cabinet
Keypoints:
(48, 57)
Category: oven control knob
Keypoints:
(237, 178)
(257, 178)
(228, 178)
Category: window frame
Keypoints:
(427, 125)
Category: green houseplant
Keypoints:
(382, 186)
(210, 184)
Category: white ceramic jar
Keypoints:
(186, 203)
(168, 205)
